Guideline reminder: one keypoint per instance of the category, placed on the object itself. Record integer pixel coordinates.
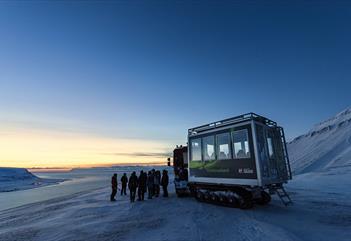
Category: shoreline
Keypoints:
(41, 182)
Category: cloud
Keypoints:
(141, 154)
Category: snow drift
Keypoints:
(12, 179)
(326, 146)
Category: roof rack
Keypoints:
(233, 120)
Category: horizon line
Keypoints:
(67, 168)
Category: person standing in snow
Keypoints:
(157, 180)
(124, 181)
(132, 185)
(164, 183)
(153, 181)
(141, 186)
(145, 178)
(114, 187)
(150, 184)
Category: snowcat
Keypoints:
(235, 162)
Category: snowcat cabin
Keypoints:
(180, 162)
(223, 154)
(243, 155)
(180, 165)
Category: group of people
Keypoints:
(146, 182)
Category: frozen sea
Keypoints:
(76, 181)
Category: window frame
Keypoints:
(270, 147)
(191, 150)
(234, 157)
(228, 131)
(213, 135)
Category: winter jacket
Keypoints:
(133, 182)
(124, 180)
(114, 182)
(142, 180)
(165, 179)
(150, 181)
(157, 178)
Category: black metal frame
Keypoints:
(286, 154)
(230, 121)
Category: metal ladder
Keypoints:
(285, 151)
(283, 195)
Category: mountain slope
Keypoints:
(8, 174)
(12, 179)
(326, 146)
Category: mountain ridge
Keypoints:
(327, 145)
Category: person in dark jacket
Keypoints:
(145, 178)
(150, 184)
(164, 183)
(153, 187)
(141, 186)
(132, 185)
(157, 182)
(114, 187)
(124, 181)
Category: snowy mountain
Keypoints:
(325, 147)
(12, 179)
(8, 174)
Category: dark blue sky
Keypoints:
(152, 70)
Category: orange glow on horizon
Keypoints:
(30, 148)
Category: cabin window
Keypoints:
(271, 153)
(208, 149)
(262, 151)
(196, 150)
(241, 144)
(270, 147)
(223, 146)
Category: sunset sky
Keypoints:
(104, 83)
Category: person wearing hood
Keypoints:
(141, 186)
(114, 187)
(164, 183)
(157, 181)
(150, 184)
(124, 181)
(132, 185)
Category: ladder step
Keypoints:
(283, 195)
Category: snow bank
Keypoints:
(12, 179)
(326, 146)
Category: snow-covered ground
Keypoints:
(13, 179)
(321, 211)
(320, 189)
